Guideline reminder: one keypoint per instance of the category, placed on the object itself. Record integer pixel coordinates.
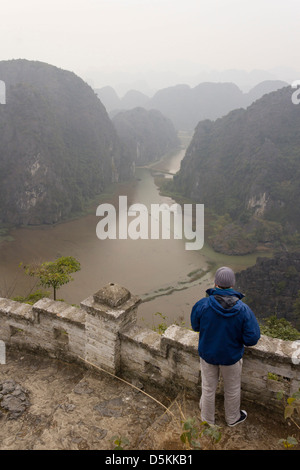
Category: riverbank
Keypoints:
(167, 277)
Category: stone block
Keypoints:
(113, 303)
(12, 309)
(112, 295)
(108, 312)
(181, 338)
(61, 310)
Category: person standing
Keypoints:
(226, 325)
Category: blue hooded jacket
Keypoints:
(226, 325)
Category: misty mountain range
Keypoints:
(59, 148)
(186, 106)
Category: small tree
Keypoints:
(54, 273)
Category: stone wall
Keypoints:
(103, 333)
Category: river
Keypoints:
(169, 278)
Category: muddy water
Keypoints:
(169, 278)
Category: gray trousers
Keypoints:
(232, 390)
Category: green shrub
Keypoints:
(279, 328)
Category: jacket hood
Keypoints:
(225, 302)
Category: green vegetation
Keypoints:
(291, 408)
(167, 188)
(54, 273)
(192, 433)
(297, 305)
(120, 442)
(279, 328)
(32, 298)
(271, 287)
(163, 325)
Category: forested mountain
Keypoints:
(245, 168)
(272, 287)
(146, 135)
(186, 106)
(58, 147)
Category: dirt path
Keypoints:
(46, 404)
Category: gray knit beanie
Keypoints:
(224, 277)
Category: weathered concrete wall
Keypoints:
(170, 360)
(103, 333)
(48, 326)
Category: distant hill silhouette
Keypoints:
(58, 147)
(261, 89)
(133, 99)
(186, 106)
(112, 102)
(108, 98)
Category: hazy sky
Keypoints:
(161, 42)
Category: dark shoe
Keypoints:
(240, 420)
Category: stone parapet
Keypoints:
(108, 312)
(103, 333)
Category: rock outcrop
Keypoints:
(58, 147)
